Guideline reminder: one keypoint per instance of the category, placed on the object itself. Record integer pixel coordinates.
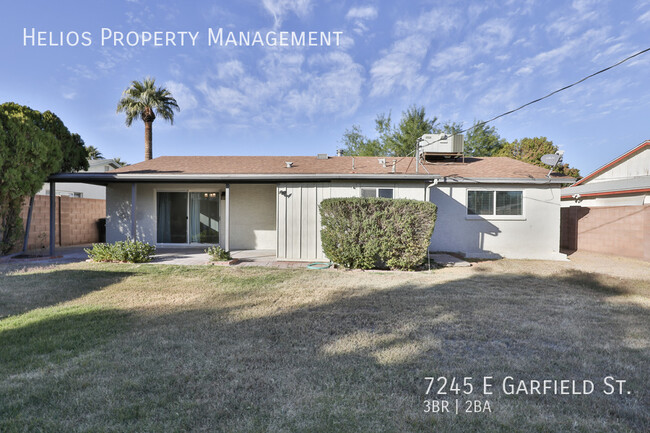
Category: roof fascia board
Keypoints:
(128, 177)
(622, 192)
(611, 163)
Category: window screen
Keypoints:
(368, 192)
(480, 202)
(509, 203)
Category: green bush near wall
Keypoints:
(122, 251)
(365, 233)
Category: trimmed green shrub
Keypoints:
(122, 251)
(218, 254)
(370, 233)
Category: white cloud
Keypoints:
(457, 55)
(231, 69)
(183, 95)
(336, 91)
(279, 8)
(359, 15)
(585, 7)
(289, 86)
(645, 18)
(362, 13)
(494, 35)
(69, 95)
(550, 61)
(400, 66)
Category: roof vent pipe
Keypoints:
(339, 152)
(289, 164)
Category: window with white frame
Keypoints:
(495, 203)
(377, 192)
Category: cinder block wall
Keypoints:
(76, 221)
(615, 230)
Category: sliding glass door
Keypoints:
(172, 217)
(184, 217)
(204, 217)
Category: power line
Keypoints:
(558, 90)
(543, 97)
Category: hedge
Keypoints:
(367, 233)
(122, 251)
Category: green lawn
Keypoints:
(115, 347)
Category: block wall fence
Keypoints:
(76, 221)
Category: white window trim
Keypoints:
(495, 217)
(376, 188)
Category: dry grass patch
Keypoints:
(118, 347)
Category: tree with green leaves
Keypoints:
(391, 140)
(94, 153)
(119, 162)
(483, 140)
(33, 145)
(146, 101)
(530, 150)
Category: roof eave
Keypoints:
(105, 178)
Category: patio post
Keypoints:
(52, 217)
(227, 218)
(134, 189)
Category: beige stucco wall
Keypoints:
(252, 213)
(118, 208)
(535, 235)
(288, 218)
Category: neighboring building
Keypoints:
(83, 190)
(487, 207)
(608, 211)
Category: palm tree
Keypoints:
(94, 153)
(119, 162)
(143, 99)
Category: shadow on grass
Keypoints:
(51, 336)
(22, 292)
(356, 361)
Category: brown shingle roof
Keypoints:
(488, 167)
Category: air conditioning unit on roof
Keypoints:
(442, 144)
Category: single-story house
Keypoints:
(608, 211)
(487, 207)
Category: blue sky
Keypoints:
(461, 60)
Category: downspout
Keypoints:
(227, 218)
(426, 188)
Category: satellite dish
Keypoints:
(551, 159)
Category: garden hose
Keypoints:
(319, 265)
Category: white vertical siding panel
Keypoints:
(295, 223)
(281, 221)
